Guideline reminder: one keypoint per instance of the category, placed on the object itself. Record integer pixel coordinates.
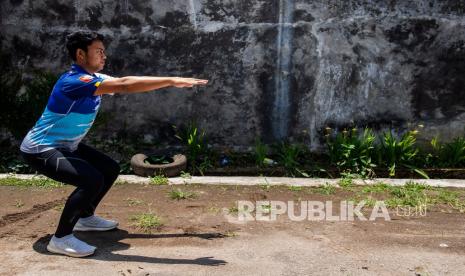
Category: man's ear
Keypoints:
(80, 55)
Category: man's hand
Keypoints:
(188, 82)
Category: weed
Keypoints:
(59, 207)
(178, 194)
(395, 153)
(326, 189)
(186, 175)
(19, 204)
(449, 155)
(266, 208)
(295, 188)
(352, 152)
(159, 180)
(213, 209)
(289, 157)
(379, 187)
(42, 182)
(230, 234)
(195, 142)
(347, 180)
(265, 186)
(134, 201)
(233, 210)
(260, 153)
(146, 221)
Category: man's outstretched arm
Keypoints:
(144, 84)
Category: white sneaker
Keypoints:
(69, 245)
(95, 223)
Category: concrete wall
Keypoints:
(277, 69)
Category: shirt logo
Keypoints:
(86, 78)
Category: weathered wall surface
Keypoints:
(277, 69)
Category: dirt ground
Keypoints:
(197, 239)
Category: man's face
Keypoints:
(95, 57)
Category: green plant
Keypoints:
(379, 187)
(11, 164)
(404, 196)
(266, 208)
(195, 141)
(125, 167)
(133, 201)
(146, 221)
(346, 181)
(186, 175)
(266, 185)
(326, 189)
(260, 153)
(159, 180)
(42, 182)
(289, 157)
(395, 153)
(452, 199)
(231, 234)
(19, 203)
(178, 194)
(59, 207)
(158, 159)
(450, 154)
(205, 165)
(295, 188)
(351, 152)
(233, 210)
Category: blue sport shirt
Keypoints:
(69, 114)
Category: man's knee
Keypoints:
(93, 182)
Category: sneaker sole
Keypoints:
(83, 228)
(53, 249)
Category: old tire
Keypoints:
(174, 168)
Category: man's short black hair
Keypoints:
(80, 40)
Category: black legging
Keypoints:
(91, 171)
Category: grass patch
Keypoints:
(412, 194)
(265, 186)
(379, 187)
(326, 189)
(233, 210)
(159, 180)
(59, 207)
(452, 199)
(266, 208)
(346, 181)
(213, 209)
(230, 234)
(295, 188)
(19, 204)
(41, 182)
(146, 221)
(178, 194)
(186, 175)
(134, 201)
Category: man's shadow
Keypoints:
(109, 241)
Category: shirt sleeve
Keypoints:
(81, 85)
(105, 77)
